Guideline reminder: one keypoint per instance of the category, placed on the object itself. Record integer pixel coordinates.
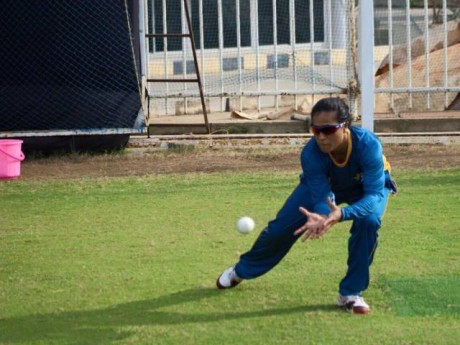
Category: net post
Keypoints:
(366, 62)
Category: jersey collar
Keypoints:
(341, 165)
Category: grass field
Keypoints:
(134, 261)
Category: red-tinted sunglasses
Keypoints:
(327, 129)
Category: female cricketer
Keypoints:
(342, 164)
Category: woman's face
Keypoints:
(328, 132)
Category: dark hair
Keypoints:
(333, 104)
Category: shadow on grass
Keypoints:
(103, 325)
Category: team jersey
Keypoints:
(359, 181)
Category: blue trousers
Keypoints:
(275, 241)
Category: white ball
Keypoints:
(245, 225)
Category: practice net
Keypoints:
(68, 66)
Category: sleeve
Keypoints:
(373, 183)
(316, 179)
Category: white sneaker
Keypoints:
(353, 304)
(228, 279)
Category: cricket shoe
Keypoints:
(228, 279)
(353, 304)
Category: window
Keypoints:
(230, 23)
(173, 23)
(210, 23)
(265, 9)
(283, 19)
(229, 18)
(302, 21)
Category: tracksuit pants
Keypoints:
(275, 241)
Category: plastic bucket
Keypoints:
(11, 157)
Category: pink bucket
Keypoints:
(11, 157)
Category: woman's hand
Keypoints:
(334, 217)
(312, 227)
(317, 225)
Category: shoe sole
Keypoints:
(354, 310)
(361, 310)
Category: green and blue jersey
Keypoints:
(359, 181)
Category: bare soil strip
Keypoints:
(140, 162)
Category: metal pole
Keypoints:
(427, 52)
(366, 62)
(329, 41)
(143, 58)
(220, 21)
(312, 45)
(390, 47)
(256, 24)
(275, 48)
(165, 55)
(184, 51)
(238, 45)
(444, 50)
(203, 76)
(142, 27)
(409, 51)
(293, 46)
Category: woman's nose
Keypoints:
(322, 136)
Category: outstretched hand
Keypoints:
(314, 224)
(317, 225)
(335, 216)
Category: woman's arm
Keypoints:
(373, 183)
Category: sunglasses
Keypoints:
(327, 129)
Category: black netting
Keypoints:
(66, 65)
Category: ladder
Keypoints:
(195, 60)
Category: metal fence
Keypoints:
(252, 54)
(419, 65)
(259, 54)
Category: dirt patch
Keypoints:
(139, 162)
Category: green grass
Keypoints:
(134, 261)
